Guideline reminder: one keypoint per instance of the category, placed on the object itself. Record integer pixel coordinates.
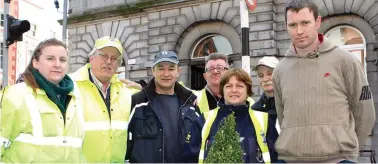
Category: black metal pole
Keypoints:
(244, 21)
(5, 44)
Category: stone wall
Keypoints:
(146, 27)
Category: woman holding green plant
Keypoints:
(233, 133)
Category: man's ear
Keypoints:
(318, 22)
(179, 71)
(91, 58)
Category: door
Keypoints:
(197, 80)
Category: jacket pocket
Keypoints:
(315, 141)
(145, 126)
(251, 153)
(19, 152)
(145, 136)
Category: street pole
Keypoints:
(5, 45)
(65, 6)
(244, 20)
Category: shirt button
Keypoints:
(61, 117)
(103, 111)
(160, 150)
(68, 118)
(64, 141)
(111, 109)
(161, 129)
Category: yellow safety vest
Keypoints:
(105, 137)
(203, 104)
(33, 129)
(259, 120)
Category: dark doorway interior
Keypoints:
(197, 80)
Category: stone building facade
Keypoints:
(193, 28)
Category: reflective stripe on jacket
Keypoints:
(259, 121)
(105, 134)
(33, 129)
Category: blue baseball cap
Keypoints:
(166, 56)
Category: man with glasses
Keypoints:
(216, 64)
(107, 103)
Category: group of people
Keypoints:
(316, 107)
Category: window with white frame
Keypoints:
(211, 43)
(350, 39)
(52, 34)
(1, 55)
(2, 19)
(33, 30)
(30, 54)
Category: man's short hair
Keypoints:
(216, 56)
(241, 75)
(297, 5)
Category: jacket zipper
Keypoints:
(162, 127)
(179, 116)
(162, 130)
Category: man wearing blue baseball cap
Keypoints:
(165, 124)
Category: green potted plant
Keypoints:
(226, 148)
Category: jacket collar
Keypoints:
(265, 104)
(234, 108)
(183, 93)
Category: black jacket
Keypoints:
(267, 105)
(147, 142)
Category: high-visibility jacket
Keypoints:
(203, 103)
(33, 129)
(105, 134)
(259, 120)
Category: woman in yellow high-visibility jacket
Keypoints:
(236, 87)
(41, 118)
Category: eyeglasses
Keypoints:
(219, 69)
(104, 57)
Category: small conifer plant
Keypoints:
(226, 148)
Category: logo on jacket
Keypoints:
(188, 138)
(327, 74)
(365, 93)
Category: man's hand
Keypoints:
(195, 102)
(131, 84)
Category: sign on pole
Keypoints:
(251, 4)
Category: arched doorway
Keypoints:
(203, 47)
(350, 39)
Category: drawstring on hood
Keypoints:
(325, 46)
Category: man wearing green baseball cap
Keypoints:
(107, 103)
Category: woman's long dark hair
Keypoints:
(27, 75)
